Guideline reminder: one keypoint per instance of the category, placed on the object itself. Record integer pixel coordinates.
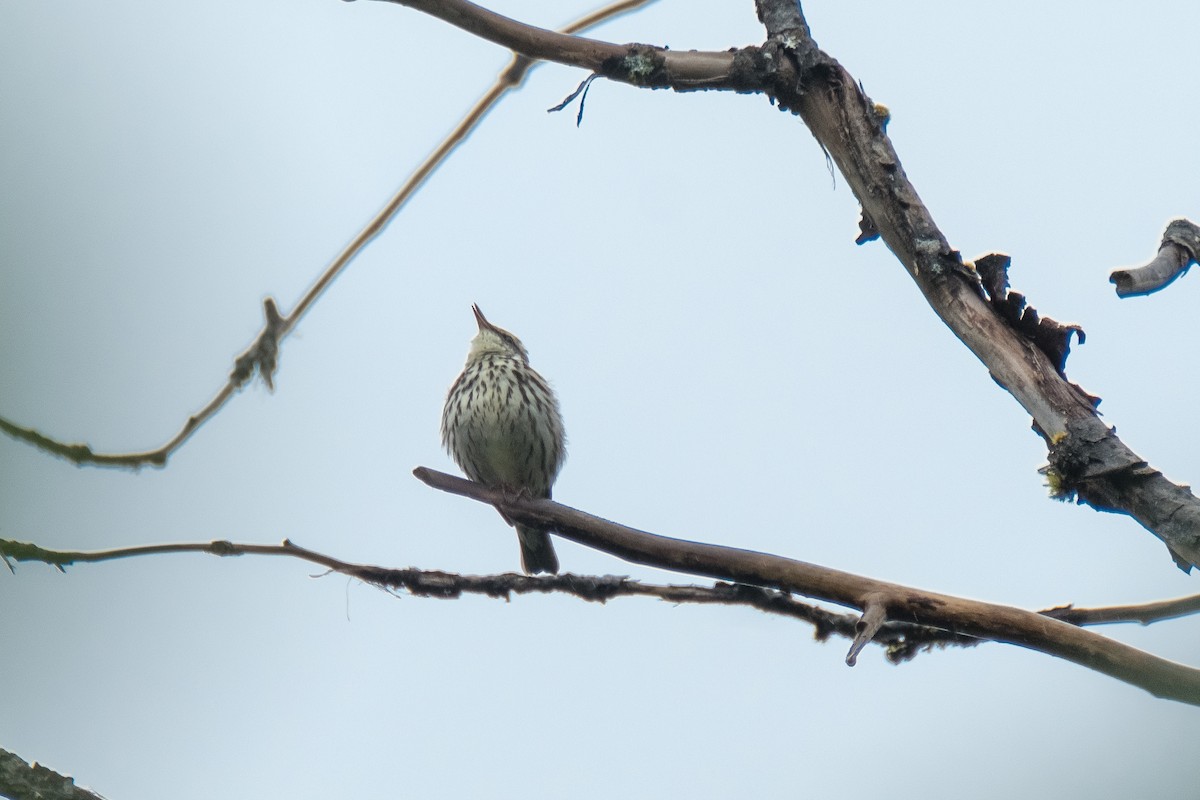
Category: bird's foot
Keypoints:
(511, 494)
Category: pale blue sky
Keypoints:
(731, 369)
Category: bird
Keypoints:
(502, 426)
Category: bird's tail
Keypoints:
(537, 553)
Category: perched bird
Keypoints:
(502, 425)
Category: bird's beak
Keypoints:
(480, 319)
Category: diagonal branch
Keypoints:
(262, 356)
(1087, 460)
(973, 618)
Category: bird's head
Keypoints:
(492, 340)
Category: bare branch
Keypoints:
(263, 354)
(1158, 676)
(1144, 613)
(641, 65)
(533, 42)
(1180, 249)
(903, 620)
(1087, 460)
(262, 357)
(901, 640)
(21, 780)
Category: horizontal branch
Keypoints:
(656, 66)
(900, 640)
(1145, 613)
(1159, 676)
(904, 621)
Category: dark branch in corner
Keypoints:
(1180, 249)
(21, 780)
(970, 618)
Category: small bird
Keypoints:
(502, 425)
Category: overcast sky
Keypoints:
(731, 368)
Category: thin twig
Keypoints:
(261, 356)
(1145, 613)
